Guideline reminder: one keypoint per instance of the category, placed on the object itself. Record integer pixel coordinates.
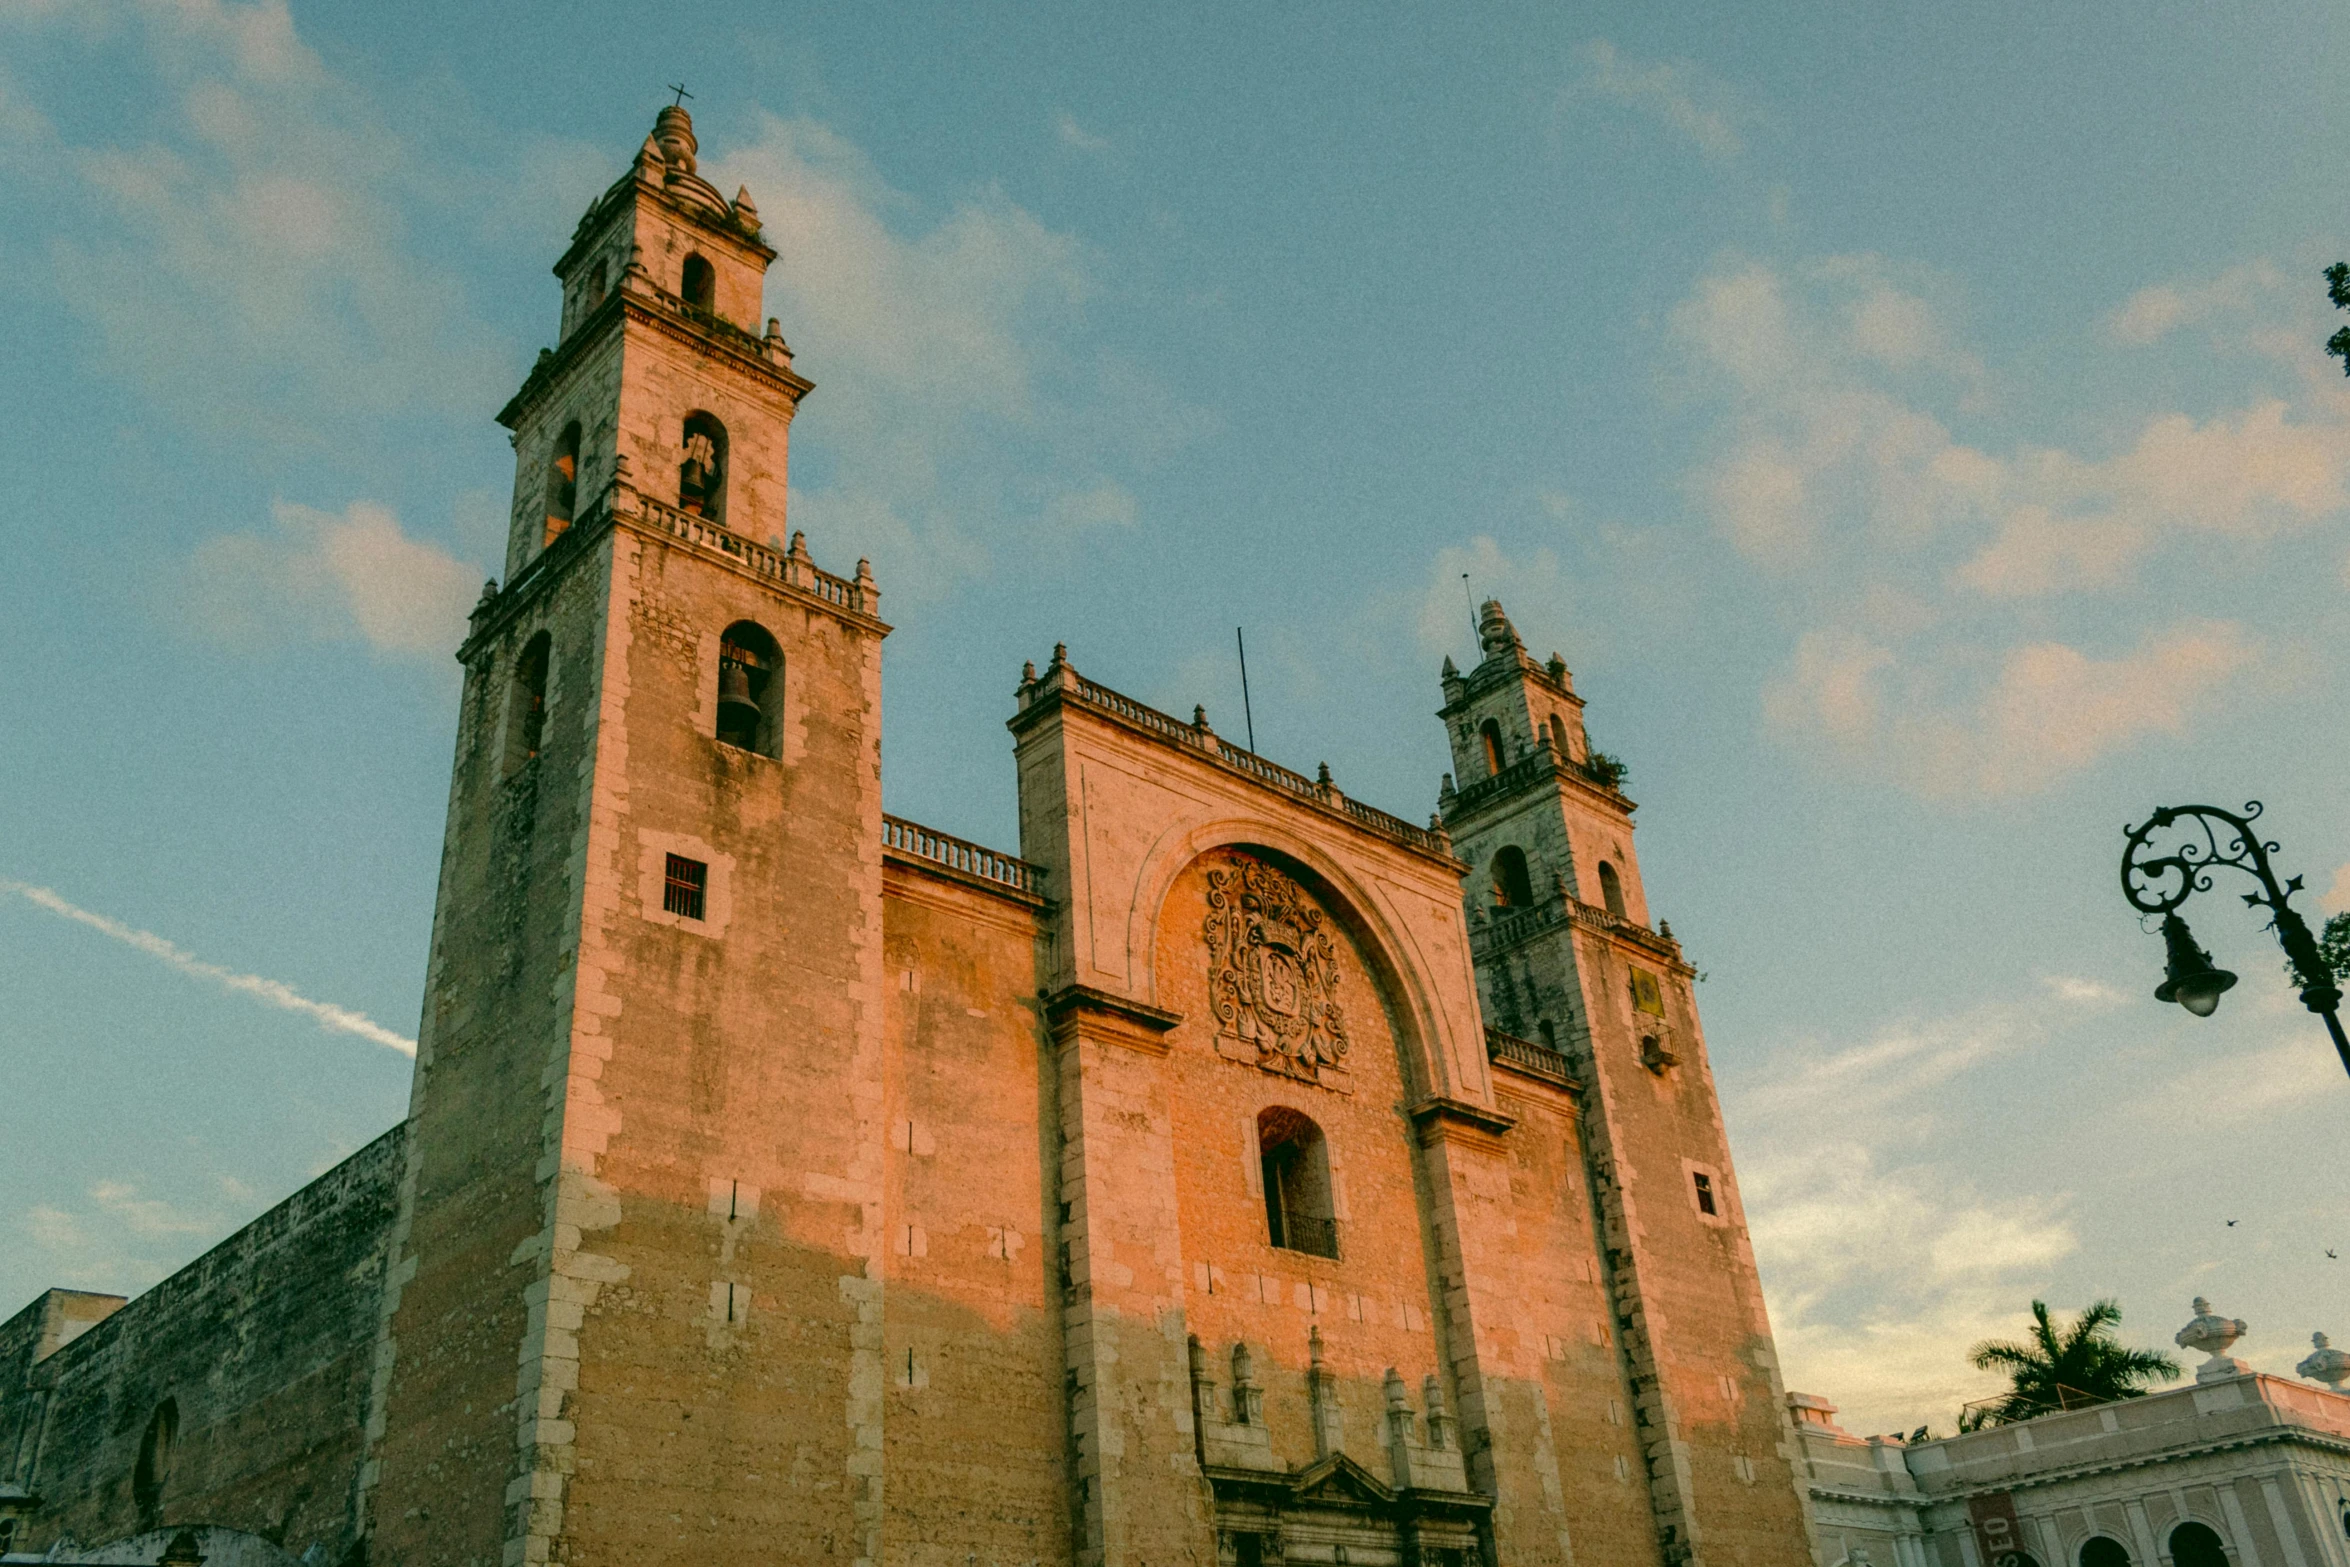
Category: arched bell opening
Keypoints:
(698, 286)
(526, 704)
(1513, 886)
(1558, 736)
(701, 477)
(562, 484)
(1611, 889)
(1489, 736)
(750, 689)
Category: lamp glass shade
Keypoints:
(2200, 993)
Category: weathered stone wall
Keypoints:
(260, 1348)
(470, 1264)
(975, 1427)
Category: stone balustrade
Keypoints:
(1198, 737)
(960, 854)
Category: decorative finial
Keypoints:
(1664, 928)
(1450, 672)
(1028, 672)
(1314, 1345)
(489, 591)
(2213, 1335)
(1322, 775)
(746, 211)
(1199, 718)
(2325, 1363)
(1060, 655)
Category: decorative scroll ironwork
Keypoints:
(1272, 972)
(2170, 857)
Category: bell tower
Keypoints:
(634, 1304)
(1565, 956)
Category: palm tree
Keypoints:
(2080, 1364)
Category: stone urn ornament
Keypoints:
(2213, 1335)
(2325, 1363)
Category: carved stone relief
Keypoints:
(1273, 975)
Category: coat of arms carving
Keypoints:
(1273, 974)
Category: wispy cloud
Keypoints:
(1076, 137)
(1675, 94)
(272, 992)
(1836, 472)
(968, 409)
(328, 577)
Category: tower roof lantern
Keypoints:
(673, 133)
(1495, 635)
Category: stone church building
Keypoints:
(1237, 1175)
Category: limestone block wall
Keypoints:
(470, 1263)
(708, 1362)
(257, 1354)
(975, 1424)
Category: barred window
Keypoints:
(1705, 1192)
(681, 893)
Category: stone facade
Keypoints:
(1240, 1174)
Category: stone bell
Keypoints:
(738, 710)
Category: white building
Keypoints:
(2238, 1469)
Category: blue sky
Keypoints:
(1910, 426)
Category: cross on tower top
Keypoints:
(682, 95)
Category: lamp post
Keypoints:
(2157, 882)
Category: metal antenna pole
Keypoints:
(1246, 716)
(1470, 599)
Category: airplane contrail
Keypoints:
(275, 992)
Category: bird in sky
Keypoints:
(2330, 1253)
(2231, 1224)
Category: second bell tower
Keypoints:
(635, 1300)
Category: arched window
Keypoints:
(1490, 733)
(1512, 887)
(2197, 1545)
(154, 1466)
(526, 704)
(2103, 1551)
(1611, 889)
(701, 478)
(562, 483)
(1298, 1209)
(597, 286)
(699, 286)
(750, 689)
(1558, 736)
(1550, 1035)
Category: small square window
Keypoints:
(681, 893)
(1705, 1193)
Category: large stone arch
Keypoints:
(1422, 1031)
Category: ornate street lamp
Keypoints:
(2158, 877)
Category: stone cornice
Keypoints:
(599, 216)
(1440, 1115)
(788, 574)
(1081, 1011)
(1536, 770)
(650, 308)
